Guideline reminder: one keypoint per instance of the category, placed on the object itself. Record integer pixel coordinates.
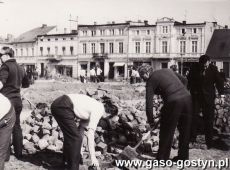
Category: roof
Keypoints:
(219, 45)
(30, 36)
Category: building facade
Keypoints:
(116, 47)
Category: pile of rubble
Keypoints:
(41, 130)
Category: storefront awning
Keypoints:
(118, 64)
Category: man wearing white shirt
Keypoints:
(89, 111)
(7, 120)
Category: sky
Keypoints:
(19, 16)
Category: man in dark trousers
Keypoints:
(12, 78)
(203, 79)
(176, 111)
(88, 111)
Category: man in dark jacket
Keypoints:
(12, 78)
(176, 111)
(202, 80)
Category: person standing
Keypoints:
(98, 74)
(12, 78)
(203, 79)
(88, 111)
(7, 120)
(176, 111)
(92, 73)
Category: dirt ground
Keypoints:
(45, 91)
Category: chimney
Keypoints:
(65, 30)
(95, 23)
(113, 22)
(146, 22)
(215, 23)
(226, 26)
(139, 21)
(44, 25)
(184, 22)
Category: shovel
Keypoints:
(129, 153)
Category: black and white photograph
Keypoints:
(114, 84)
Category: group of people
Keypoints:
(183, 101)
(134, 76)
(95, 75)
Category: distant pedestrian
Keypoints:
(82, 75)
(92, 73)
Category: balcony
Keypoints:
(100, 56)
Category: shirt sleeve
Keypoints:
(95, 116)
(4, 73)
(151, 86)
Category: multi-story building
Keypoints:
(115, 47)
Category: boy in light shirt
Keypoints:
(89, 111)
(7, 120)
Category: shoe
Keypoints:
(176, 158)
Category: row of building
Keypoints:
(115, 47)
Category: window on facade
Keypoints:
(111, 32)
(16, 52)
(164, 65)
(21, 52)
(121, 32)
(93, 32)
(194, 30)
(63, 50)
(48, 39)
(64, 38)
(183, 31)
(71, 50)
(27, 52)
(102, 47)
(32, 51)
(137, 32)
(148, 32)
(102, 32)
(56, 50)
(110, 48)
(121, 47)
(164, 47)
(84, 33)
(84, 48)
(48, 50)
(182, 47)
(71, 38)
(41, 51)
(194, 46)
(137, 47)
(41, 39)
(56, 39)
(93, 47)
(165, 29)
(148, 47)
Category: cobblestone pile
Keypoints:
(41, 131)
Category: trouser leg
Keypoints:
(195, 117)
(208, 112)
(184, 127)
(17, 130)
(5, 134)
(169, 118)
(64, 116)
